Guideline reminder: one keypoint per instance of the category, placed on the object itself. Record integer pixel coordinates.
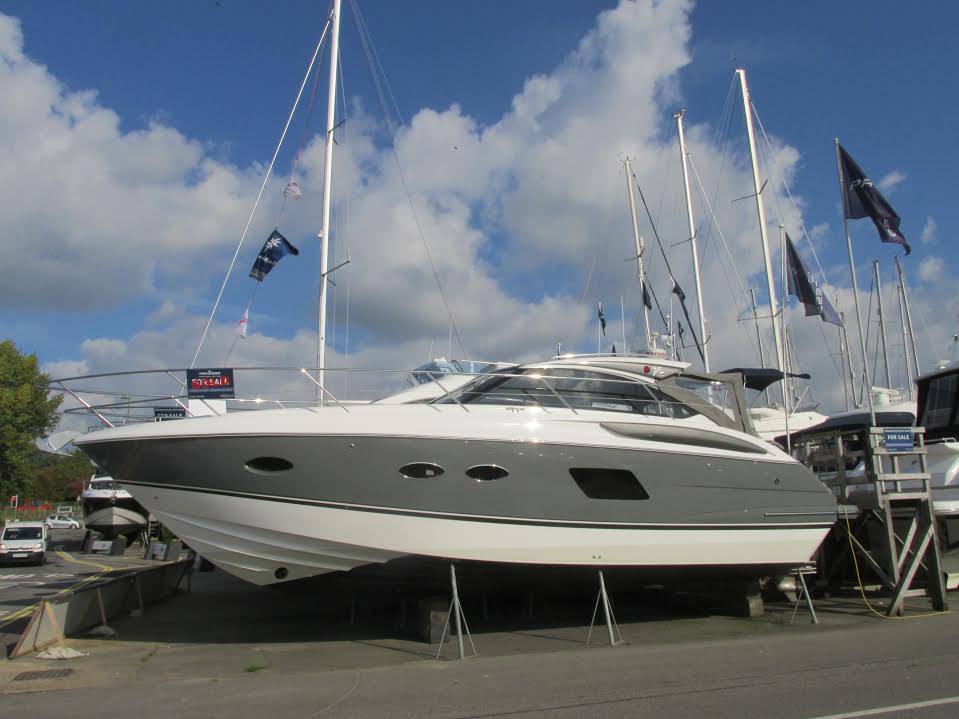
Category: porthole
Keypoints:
(421, 470)
(486, 472)
(268, 465)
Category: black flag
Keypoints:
(602, 318)
(860, 198)
(678, 291)
(801, 284)
(274, 249)
(646, 300)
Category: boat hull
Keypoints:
(114, 521)
(265, 540)
(344, 503)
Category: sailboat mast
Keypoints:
(759, 337)
(912, 336)
(846, 361)
(882, 324)
(692, 238)
(638, 239)
(905, 339)
(767, 260)
(327, 194)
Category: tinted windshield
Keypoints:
(14, 533)
(576, 388)
(103, 484)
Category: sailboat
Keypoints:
(577, 461)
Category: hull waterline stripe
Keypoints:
(482, 518)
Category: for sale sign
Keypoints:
(210, 383)
(161, 414)
(899, 439)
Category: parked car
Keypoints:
(24, 542)
(61, 521)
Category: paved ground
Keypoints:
(232, 650)
(23, 585)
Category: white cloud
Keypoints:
(517, 214)
(931, 269)
(929, 231)
(94, 202)
(891, 181)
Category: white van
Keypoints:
(24, 542)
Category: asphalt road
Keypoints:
(234, 651)
(892, 668)
(23, 585)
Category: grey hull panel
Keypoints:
(364, 472)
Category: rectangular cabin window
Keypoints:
(579, 389)
(599, 483)
(940, 401)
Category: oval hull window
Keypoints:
(486, 472)
(268, 465)
(421, 470)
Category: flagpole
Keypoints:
(905, 340)
(782, 321)
(855, 290)
(622, 318)
(327, 194)
(599, 328)
(767, 260)
(638, 240)
(905, 299)
(882, 324)
(847, 360)
(692, 238)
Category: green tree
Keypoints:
(26, 412)
(59, 478)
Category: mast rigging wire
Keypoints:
(373, 60)
(670, 271)
(266, 178)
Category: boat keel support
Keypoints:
(459, 620)
(611, 627)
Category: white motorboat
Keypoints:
(578, 461)
(937, 411)
(109, 509)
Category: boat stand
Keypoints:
(802, 592)
(611, 627)
(456, 611)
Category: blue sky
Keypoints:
(198, 92)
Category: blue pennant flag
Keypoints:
(803, 285)
(861, 198)
(274, 249)
(602, 318)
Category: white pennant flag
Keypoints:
(244, 321)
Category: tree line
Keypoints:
(29, 411)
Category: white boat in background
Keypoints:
(938, 412)
(110, 509)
